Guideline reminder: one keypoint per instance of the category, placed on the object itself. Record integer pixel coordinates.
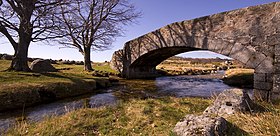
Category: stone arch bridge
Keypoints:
(250, 35)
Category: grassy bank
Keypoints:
(18, 89)
(147, 117)
(239, 77)
(134, 117)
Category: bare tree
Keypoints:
(26, 21)
(94, 24)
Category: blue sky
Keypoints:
(155, 14)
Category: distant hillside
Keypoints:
(209, 62)
(197, 60)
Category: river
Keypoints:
(177, 86)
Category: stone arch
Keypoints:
(250, 35)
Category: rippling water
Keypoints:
(178, 86)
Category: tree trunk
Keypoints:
(87, 62)
(20, 60)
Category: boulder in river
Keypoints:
(41, 65)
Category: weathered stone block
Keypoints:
(277, 68)
(269, 77)
(243, 39)
(219, 46)
(262, 85)
(276, 82)
(236, 51)
(277, 59)
(210, 45)
(277, 49)
(263, 77)
(273, 39)
(205, 125)
(227, 48)
(266, 66)
(274, 95)
(241, 53)
(259, 77)
(198, 42)
(255, 60)
(230, 102)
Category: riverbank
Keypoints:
(152, 116)
(243, 78)
(23, 89)
(133, 117)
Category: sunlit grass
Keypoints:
(265, 123)
(28, 88)
(67, 73)
(238, 71)
(135, 117)
(239, 77)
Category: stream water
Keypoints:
(177, 86)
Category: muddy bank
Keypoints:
(26, 96)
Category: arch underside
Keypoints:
(155, 57)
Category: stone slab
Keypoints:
(236, 52)
(277, 59)
(263, 85)
(277, 49)
(266, 66)
(276, 83)
(227, 48)
(259, 77)
(255, 60)
(277, 68)
(273, 39)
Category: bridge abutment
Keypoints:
(263, 83)
(141, 72)
(275, 93)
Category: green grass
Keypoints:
(103, 67)
(147, 117)
(23, 88)
(18, 79)
(134, 117)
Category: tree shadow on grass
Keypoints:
(55, 75)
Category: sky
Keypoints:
(155, 14)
